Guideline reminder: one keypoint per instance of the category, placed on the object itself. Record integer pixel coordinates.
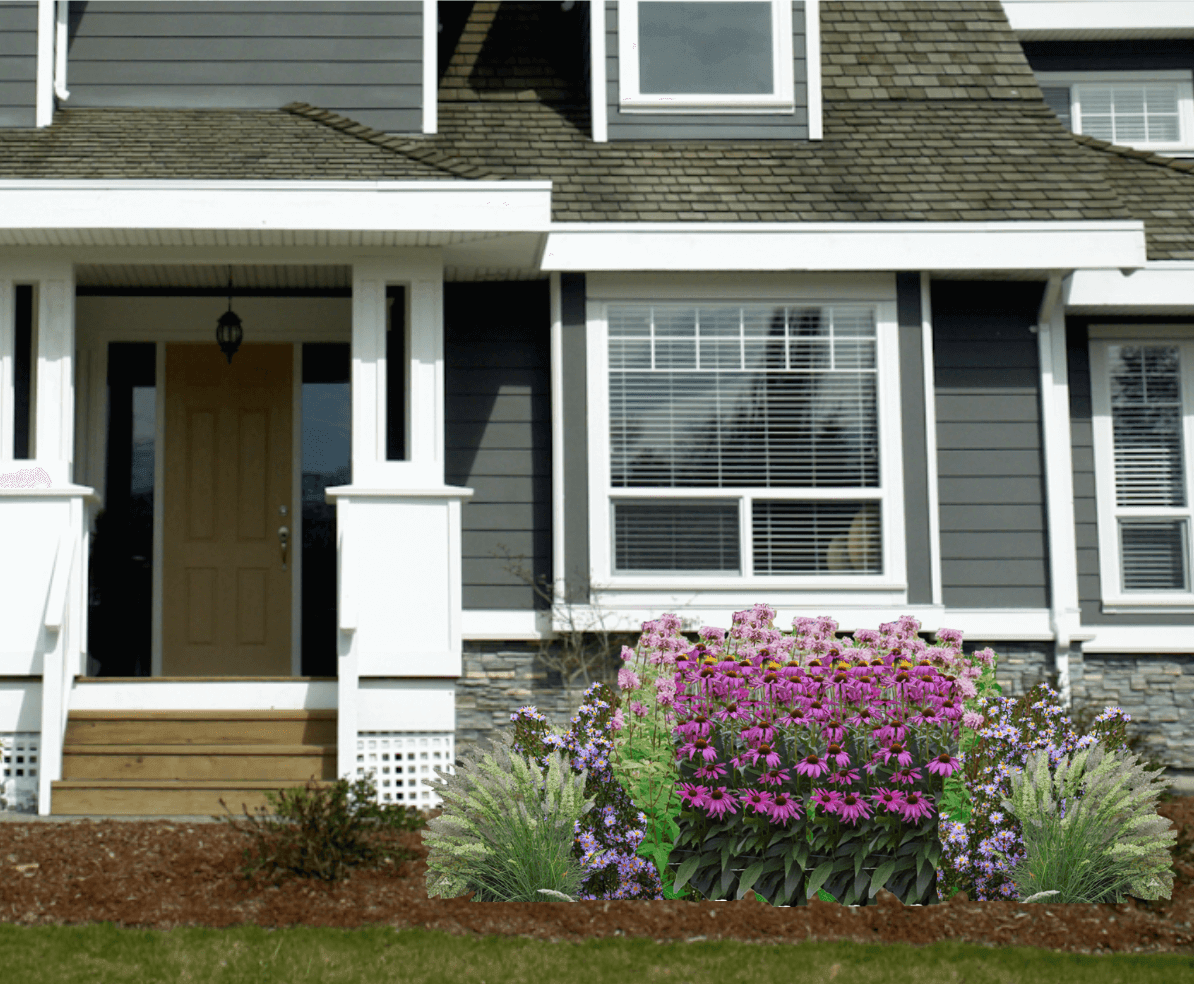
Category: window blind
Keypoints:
(744, 396)
(1146, 418)
(1153, 553)
(1058, 99)
(1125, 113)
(676, 536)
(816, 537)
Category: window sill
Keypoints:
(782, 107)
(1133, 606)
(714, 582)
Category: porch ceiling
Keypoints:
(259, 276)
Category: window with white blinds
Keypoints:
(1142, 419)
(1135, 109)
(774, 404)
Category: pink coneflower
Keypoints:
(837, 755)
(891, 800)
(775, 777)
(693, 795)
(906, 777)
(767, 754)
(917, 806)
(628, 679)
(813, 766)
(944, 765)
(853, 808)
(710, 770)
(827, 800)
(899, 752)
(846, 778)
(758, 800)
(784, 807)
(699, 746)
(719, 802)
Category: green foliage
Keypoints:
(1091, 830)
(788, 866)
(955, 798)
(507, 829)
(322, 831)
(645, 766)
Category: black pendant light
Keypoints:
(229, 332)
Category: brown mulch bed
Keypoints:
(163, 874)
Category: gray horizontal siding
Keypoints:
(992, 516)
(665, 126)
(357, 58)
(497, 353)
(1086, 528)
(18, 64)
(912, 418)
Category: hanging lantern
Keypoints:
(229, 332)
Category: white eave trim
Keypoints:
(1139, 639)
(264, 206)
(1045, 19)
(1158, 288)
(587, 247)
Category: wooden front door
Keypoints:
(225, 589)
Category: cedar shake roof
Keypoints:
(931, 113)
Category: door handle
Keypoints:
(284, 540)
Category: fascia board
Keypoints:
(1157, 287)
(1042, 19)
(845, 246)
(357, 206)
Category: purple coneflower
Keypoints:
(853, 808)
(699, 746)
(813, 766)
(719, 802)
(906, 777)
(837, 755)
(944, 765)
(827, 800)
(758, 800)
(891, 800)
(693, 795)
(917, 806)
(784, 807)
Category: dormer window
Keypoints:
(705, 56)
(1145, 110)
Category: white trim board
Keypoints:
(173, 694)
(1044, 19)
(812, 67)
(270, 206)
(430, 66)
(478, 625)
(1159, 288)
(848, 246)
(1140, 639)
(597, 86)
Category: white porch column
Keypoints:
(7, 346)
(399, 525)
(54, 383)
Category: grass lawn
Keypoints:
(102, 953)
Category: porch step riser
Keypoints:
(81, 799)
(165, 763)
(200, 732)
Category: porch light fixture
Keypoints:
(228, 329)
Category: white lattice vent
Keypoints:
(400, 760)
(18, 771)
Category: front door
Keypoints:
(226, 590)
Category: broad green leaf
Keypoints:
(685, 871)
(881, 876)
(824, 870)
(749, 877)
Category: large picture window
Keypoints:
(1142, 422)
(705, 56)
(744, 440)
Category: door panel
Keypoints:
(225, 595)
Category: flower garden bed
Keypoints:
(166, 874)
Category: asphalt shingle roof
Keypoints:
(931, 113)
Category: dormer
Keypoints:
(705, 70)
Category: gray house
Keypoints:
(350, 350)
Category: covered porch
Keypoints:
(221, 576)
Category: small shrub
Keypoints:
(507, 829)
(1091, 830)
(322, 831)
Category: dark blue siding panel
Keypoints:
(497, 355)
(1086, 528)
(575, 389)
(362, 59)
(18, 64)
(993, 546)
(664, 126)
(912, 398)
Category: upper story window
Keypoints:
(1146, 110)
(1143, 419)
(693, 56)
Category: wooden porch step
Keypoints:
(205, 762)
(159, 797)
(304, 727)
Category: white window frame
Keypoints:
(645, 289)
(1108, 513)
(781, 100)
(1185, 102)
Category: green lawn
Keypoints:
(102, 953)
